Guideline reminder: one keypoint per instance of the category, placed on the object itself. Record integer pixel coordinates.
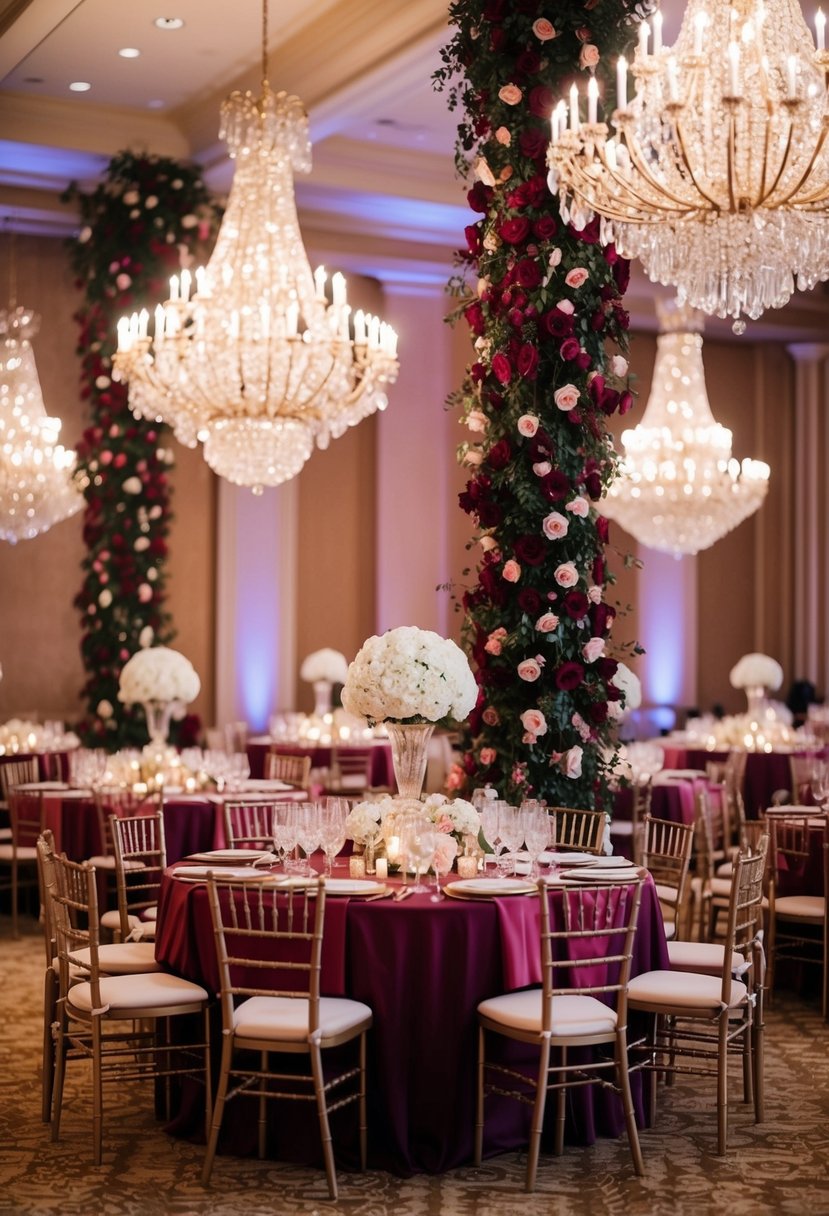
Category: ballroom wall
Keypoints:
(379, 529)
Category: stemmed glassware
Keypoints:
(537, 834)
(417, 847)
(490, 825)
(307, 833)
(441, 864)
(332, 815)
(511, 831)
(284, 831)
(819, 782)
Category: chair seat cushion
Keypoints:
(24, 853)
(123, 958)
(670, 929)
(665, 893)
(681, 989)
(151, 990)
(573, 1014)
(621, 827)
(726, 870)
(286, 1018)
(112, 920)
(703, 957)
(150, 913)
(721, 888)
(801, 907)
(101, 862)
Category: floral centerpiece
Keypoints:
(371, 822)
(163, 681)
(324, 668)
(756, 671)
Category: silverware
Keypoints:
(403, 893)
(380, 895)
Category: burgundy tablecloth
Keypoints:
(423, 968)
(190, 826)
(381, 772)
(766, 772)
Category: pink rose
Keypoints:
(487, 755)
(571, 763)
(527, 425)
(488, 542)
(493, 642)
(534, 722)
(529, 670)
(542, 468)
(482, 171)
(555, 526)
(476, 421)
(145, 593)
(566, 306)
(566, 397)
(566, 575)
(490, 716)
(519, 775)
(555, 258)
(581, 726)
(105, 457)
(511, 571)
(503, 136)
(576, 277)
(579, 506)
(446, 850)
(619, 366)
(547, 623)
(123, 281)
(543, 29)
(510, 94)
(589, 56)
(455, 779)
(594, 594)
(473, 457)
(592, 650)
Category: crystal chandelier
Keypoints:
(37, 488)
(679, 489)
(249, 355)
(716, 175)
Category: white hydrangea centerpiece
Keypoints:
(756, 671)
(410, 675)
(158, 674)
(455, 817)
(325, 664)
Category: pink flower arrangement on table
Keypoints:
(543, 302)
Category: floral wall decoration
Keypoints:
(147, 217)
(544, 306)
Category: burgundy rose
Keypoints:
(474, 315)
(479, 197)
(589, 233)
(598, 321)
(583, 361)
(622, 317)
(528, 361)
(603, 532)
(541, 446)
(497, 38)
(533, 143)
(597, 713)
(473, 239)
(541, 101)
(514, 230)
(545, 228)
(593, 486)
(528, 63)
(499, 455)
(621, 274)
(555, 486)
(570, 349)
(528, 272)
(477, 373)
(606, 668)
(602, 617)
(516, 318)
(625, 402)
(557, 324)
(576, 605)
(501, 368)
(530, 549)
(569, 676)
(529, 600)
(495, 400)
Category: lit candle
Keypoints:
(393, 848)
(123, 336)
(592, 99)
(357, 867)
(200, 279)
(574, 108)
(700, 22)
(734, 69)
(622, 83)
(382, 868)
(143, 322)
(320, 278)
(360, 327)
(159, 321)
(174, 287)
(185, 285)
(657, 32)
(644, 31)
(791, 73)
(820, 29)
(338, 289)
(467, 867)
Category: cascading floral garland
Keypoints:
(546, 308)
(147, 217)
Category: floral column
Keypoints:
(544, 304)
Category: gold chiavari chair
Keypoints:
(264, 932)
(111, 803)
(350, 770)
(295, 770)
(577, 829)
(248, 824)
(140, 861)
(799, 922)
(666, 854)
(13, 772)
(18, 856)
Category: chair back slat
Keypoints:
(26, 817)
(578, 829)
(744, 912)
(268, 940)
(75, 911)
(248, 824)
(295, 770)
(140, 861)
(16, 772)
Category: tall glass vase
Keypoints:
(758, 702)
(322, 697)
(158, 714)
(409, 752)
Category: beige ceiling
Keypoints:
(382, 198)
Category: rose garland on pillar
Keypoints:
(546, 307)
(146, 218)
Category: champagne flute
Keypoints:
(511, 831)
(441, 864)
(536, 835)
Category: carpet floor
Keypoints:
(781, 1166)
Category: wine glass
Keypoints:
(418, 848)
(308, 832)
(441, 864)
(819, 782)
(511, 831)
(490, 825)
(332, 815)
(283, 830)
(536, 835)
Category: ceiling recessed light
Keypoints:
(129, 52)
(169, 23)
(80, 86)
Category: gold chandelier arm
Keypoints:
(790, 197)
(682, 205)
(782, 167)
(729, 162)
(689, 166)
(630, 188)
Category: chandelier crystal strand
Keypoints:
(679, 489)
(37, 488)
(716, 174)
(249, 356)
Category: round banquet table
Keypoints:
(423, 968)
(381, 772)
(766, 772)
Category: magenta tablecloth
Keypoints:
(766, 772)
(190, 826)
(423, 968)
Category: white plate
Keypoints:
(266, 786)
(35, 787)
(490, 886)
(600, 876)
(229, 856)
(613, 862)
(236, 873)
(566, 858)
(353, 886)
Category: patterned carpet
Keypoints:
(779, 1167)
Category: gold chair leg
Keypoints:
(97, 1094)
(362, 1104)
(263, 1122)
(60, 1070)
(218, 1109)
(722, 1085)
(758, 1058)
(748, 1060)
(325, 1130)
(15, 892)
(538, 1115)
(623, 1081)
(561, 1098)
(50, 999)
(479, 1104)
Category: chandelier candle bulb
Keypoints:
(734, 69)
(592, 100)
(820, 30)
(791, 76)
(574, 108)
(320, 279)
(673, 81)
(621, 83)
(644, 34)
(657, 32)
(700, 22)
